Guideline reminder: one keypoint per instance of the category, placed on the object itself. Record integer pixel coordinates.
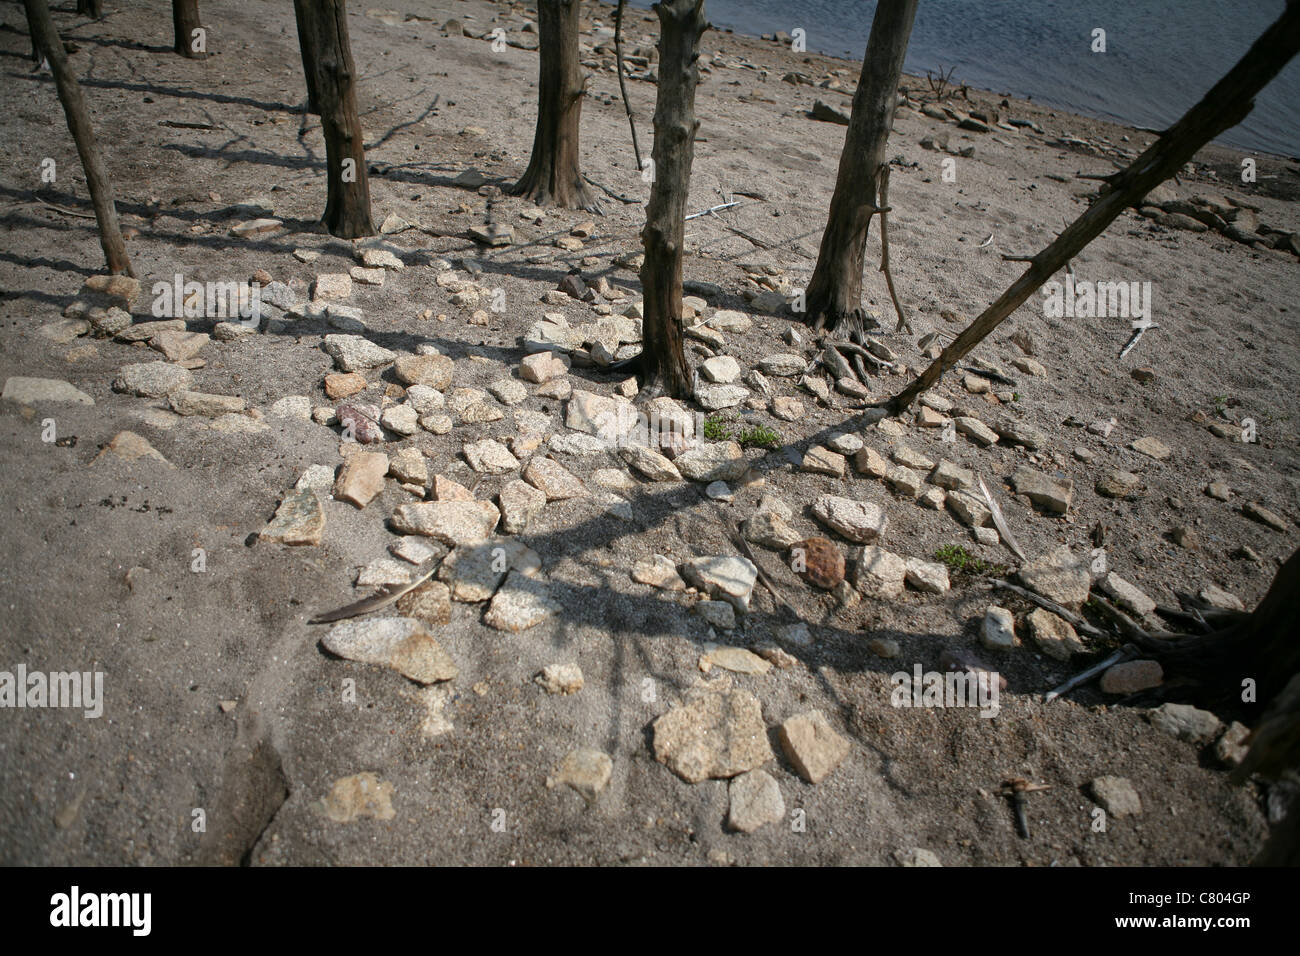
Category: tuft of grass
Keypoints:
(759, 436)
(961, 561)
(717, 428)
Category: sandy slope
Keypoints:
(124, 787)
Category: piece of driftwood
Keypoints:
(1127, 652)
(999, 522)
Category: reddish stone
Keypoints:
(822, 562)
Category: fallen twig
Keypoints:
(1080, 623)
(713, 209)
(1125, 653)
(740, 541)
(903, 324)
(622, 83)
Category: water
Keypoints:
(1162, 55)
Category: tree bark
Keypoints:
(347, 208)
(554, 173)
(91, 8)
(185, 20)
(1226, 105)
(83, 134)
(37, 56)
(834, 295)
(662, 365)
(302, 14)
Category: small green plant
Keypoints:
(961, 561)
(717, 428)
(759, 436)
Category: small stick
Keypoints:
(1126, 624)
(1079, 623)
(762, 575)
(903, 324)
(622, 84)
(1016, 788)
(1124, 653)
(1133, 339)
(712, 209)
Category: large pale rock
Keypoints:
(860, 521)
(401, 643)
(1060, 576)
(755, 800)
(34, 391)
(712, 461)
(152, 379)
(520, 503)
(1053, 494)
(928, 576)
(1185, 722)
(361, 477)
(553, 480)
(352, 353)
(812, 745)
(880, 573)
(520, 603)
(726, 577)
(716, 733)
(823, 461)
(473, 572)
(454, 523)
(1054, 635)
(489, 457)
(650, 463)
(300, 520)
(585, 770)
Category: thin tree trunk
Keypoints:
(83, 134)
(834, 294)
(662, 364)
(91, 8)
(302, 14)
(347, 209)
(554, 174)
(1226, 105)
(37, 56)
(185, 21)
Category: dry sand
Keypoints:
(123, 789)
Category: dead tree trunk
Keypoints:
(188, 31)
(554, 174)
(91, 8)
(1226, 105)
(662, 364)
(347, 208)
(302, 14)
(37, 56)
(834, 295)
(83, 134)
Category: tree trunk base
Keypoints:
(546, 189)
(853, 324)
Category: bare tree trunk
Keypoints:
(347, 209)
(37, 56)
(91, 8)
(302, 14)
(662, 364)
(1226, 105)
(83, 134)
(554, 174)
(834, 294)
(185, 21)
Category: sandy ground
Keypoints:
(175, 644)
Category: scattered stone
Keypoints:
(432, 370)
(861, 522)
(1185, 722)
(340, 385)
(1053, 494)
(712, 461)
(658, 571)
(1117, 484)
(412, 550)
(1219, 489)
(520, 503)
(292, 406)
(128, 446)
(454, 523)
(490, 457)
(823, 461)
(844, 443)
(585, 770)
(952, 477)
(1021, 433)
(361, 478)
(553, 480)
(916, 857)
(726, 577)
(1116, 796)
(382, 573)
(1261, 514)
(300, 520)
(879, 573)
(717, 397)
(401, 643)
(722, 369)
(904, 481)
(151, 379)
(473, 572)
(787, 409)
(650, 463)
(819, 562)
(34, 391)
(975, 430)
(520, 603)
(1231, 749)
(716, 733)
(754, 800)
(430, 603)
(998, 632)
(353, 353)
(928, 576)
(871, 463)
(812, 745)
(718, 614)
(1054, 635)
(783, 365)
(177, 346)
(1130, 677)
(362, 795)
(1061, 576)
(508, 391)
(1152, 447)
(332, 286)
(561, 679)
(1127, 595)
(361, 421)
(770, 530)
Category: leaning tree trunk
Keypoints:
(347, 208)
(662, 364)
(834, 294)
(91, 8)
(187, 29)
(554, 174)
(302, 14)
(83, 134)
(1226, 105)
